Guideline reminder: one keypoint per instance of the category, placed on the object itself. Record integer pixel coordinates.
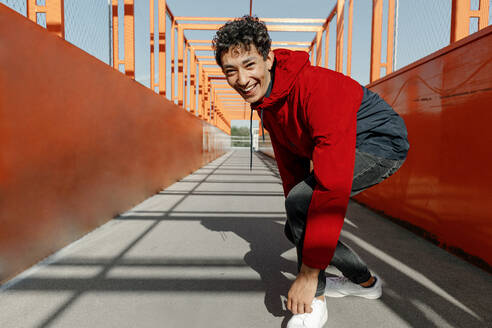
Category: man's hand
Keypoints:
(302, 291)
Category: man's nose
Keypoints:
(242, 78)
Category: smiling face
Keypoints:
(247, 72)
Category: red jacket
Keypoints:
(311, 114)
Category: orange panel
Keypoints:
(444, 186)
(79, 145)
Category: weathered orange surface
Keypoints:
(444, 186)
(79, 142)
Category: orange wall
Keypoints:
(444, 186)
(79, 142)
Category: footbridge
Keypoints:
(125, 200)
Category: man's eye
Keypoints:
(229, 72)
(250, 65)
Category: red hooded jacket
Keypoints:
(311, 115)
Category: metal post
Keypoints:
(110, 29)
(152, 42)
(185, 72)
(192, 80)
(161, 16)
(391, 36)
(327, 44)
(319, 38)
(349, 38)
(460, 18)
(377, 29)
(116, 50)
(173, 64)
(180, 64)
(129, 26)
(200, 91)
(395, 48)
(340, 19)
(55, 15)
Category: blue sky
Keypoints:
(422, 27)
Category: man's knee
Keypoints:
(297, 202)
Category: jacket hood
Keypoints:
(287, 66)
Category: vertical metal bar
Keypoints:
(116, 49)
(377, 29)
(311, 53)
(460, 19)
(152, 43)
(211, 101)
(212, 104)
(340, 19)
(31, 9)
(349, 38)
(161, 16)
(185, 72)
(319, 38)
(200, 91)
(483, 17)
(395, 51)
(173, 64)
(55, 15)
(110, 32)
(192, 80)
(391, 36)
(327, 44)
(251, 7)
(207, 97)
(129, 23)
(180, 65)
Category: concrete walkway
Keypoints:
(209, 251)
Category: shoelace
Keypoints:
(338, 281)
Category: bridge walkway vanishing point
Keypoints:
(209, 251)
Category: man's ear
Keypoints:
(270, 59)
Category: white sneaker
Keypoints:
(315, 319)
(341, 286)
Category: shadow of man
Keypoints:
(267, 244)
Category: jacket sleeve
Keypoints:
(292, 168)
(331, 115)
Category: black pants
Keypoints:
(369, 170)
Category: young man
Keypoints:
(353, 137)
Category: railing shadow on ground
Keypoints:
(424, 285)
(101, 282)
(419, 292)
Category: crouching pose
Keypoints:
(353, 137)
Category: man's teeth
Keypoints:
(248, 89)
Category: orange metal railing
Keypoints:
(196, 83)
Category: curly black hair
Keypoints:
(242, 31)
